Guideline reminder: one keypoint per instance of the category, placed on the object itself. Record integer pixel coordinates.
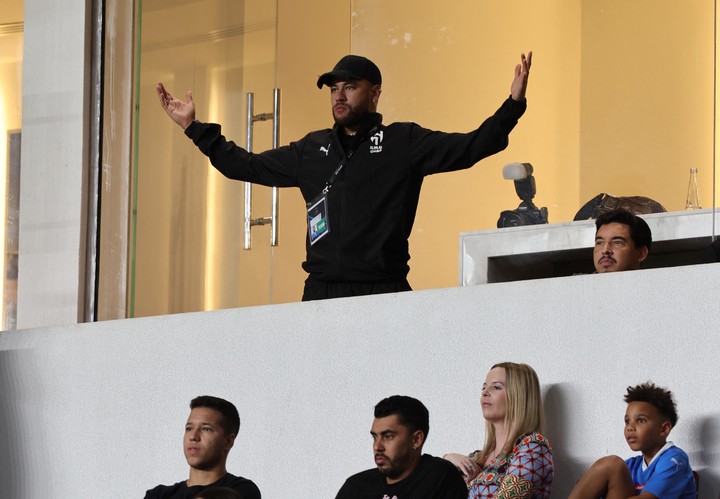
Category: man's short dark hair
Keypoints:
(658, 397)
(230, 418)
(639, 229)
(411, 412)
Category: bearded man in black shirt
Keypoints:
(399, 432)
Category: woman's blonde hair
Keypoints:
(524, 408)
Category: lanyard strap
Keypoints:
(342, 164)
(333, 177)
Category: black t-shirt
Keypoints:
(434, 478)
(247, 489)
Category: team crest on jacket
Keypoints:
(376, 142)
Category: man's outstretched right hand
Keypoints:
(182, 113)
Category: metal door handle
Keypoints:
(250, 222)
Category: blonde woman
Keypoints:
(516, 460)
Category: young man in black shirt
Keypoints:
(210, 433)
(399, 431)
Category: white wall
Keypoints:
(54, 156)
(97, 410)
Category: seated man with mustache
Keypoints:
(622, 241)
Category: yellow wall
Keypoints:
(620, 101)
(647, 99)
(190, 218)
(11, 59)
(173, 214)
(10, 93)
(306, 49)
(234, 276)
(448, 67)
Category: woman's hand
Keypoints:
(465, 464)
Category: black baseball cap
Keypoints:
(352, 67)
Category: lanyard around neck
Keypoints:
(333, 177)
(342, 164)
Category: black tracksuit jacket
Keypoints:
(372, 203)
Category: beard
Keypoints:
(349, 117)
(393, 468)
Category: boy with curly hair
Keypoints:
(662, 470)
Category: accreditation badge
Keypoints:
(318, 225)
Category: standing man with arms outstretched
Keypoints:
(361, 179)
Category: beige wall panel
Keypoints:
(196, 261)
(173, 177)
(716, 173)
(12, 11)
(312, 36)
(234, 276)
(647, 98)
(448, 66)
(10, 108)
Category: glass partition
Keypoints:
(621, 102)
(187, 241)
(11, 58)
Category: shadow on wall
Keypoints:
(707, 461)
(15, 460)
(556, 400)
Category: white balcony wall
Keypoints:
(97, 410)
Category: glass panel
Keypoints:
(11, 57)
(620, 101)
(604, 117)
(187, 240)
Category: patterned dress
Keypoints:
(526, 472)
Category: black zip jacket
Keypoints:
(373, 201)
